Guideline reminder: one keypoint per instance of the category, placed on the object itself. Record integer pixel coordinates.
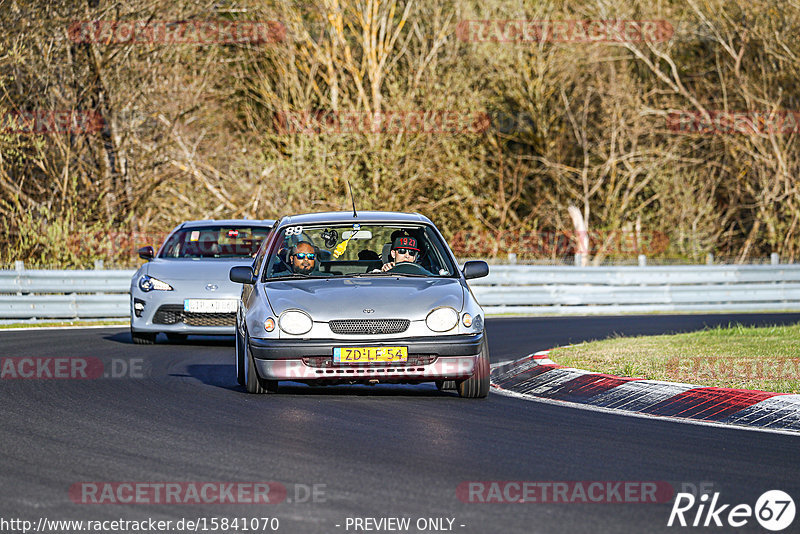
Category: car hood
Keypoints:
(347, 298)
(208, 270)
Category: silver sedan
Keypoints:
(185, 289)
(372, 297)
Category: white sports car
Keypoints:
(184, 288)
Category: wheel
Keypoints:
(252, 382)
(477, 386)
(143, 338)
(445, 385)
(239, 358)
(176, 338)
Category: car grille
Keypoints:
(368, 326)
(173, 314)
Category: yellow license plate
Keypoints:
(369, 354)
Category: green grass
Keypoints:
(65, 323)
(764, 358)
(586, 313)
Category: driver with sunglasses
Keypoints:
(404, 249)
(303, 258)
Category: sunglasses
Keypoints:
(409, 251)
(304, 255)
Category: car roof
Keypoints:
(228, 222)
(364, 217)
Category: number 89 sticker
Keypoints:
(294, 230)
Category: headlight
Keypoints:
(148, 283)
(442, 319)
(295, 322)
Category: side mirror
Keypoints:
(147, 253)
(475, 269)
(242, 274)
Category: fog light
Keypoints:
(138, 307)
(467, 320)
(269, 324)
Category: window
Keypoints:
(214, 242)
(356, 250)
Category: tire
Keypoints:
(239, 358)
(445, 385)
(143, 338)
(252, 382)
(477, 386)
(176, 338)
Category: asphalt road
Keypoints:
(177, 415)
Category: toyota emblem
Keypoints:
(368, 310)
(211, 287)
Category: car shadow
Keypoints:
(192, 340)
(224, 376)
(217, 375)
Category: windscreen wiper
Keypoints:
(294, 276)
(386, 273)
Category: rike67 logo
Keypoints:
(774, 510)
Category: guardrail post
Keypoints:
(642, 260)
(98, 266)
(512, 258)
(578, 259)
(709, 259)
(774, 258)
(19, 266)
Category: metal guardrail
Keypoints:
(65, 294)
(581, 290)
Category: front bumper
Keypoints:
(443, 368)
(164, 313)
(284, 349)
(430, 358)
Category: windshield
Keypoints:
(214, 242)
(358, 250)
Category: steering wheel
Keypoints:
(408, 267)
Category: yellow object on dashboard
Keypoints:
(340, 248)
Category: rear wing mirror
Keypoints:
(242, 274)
(147, 253)
(475, 269)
